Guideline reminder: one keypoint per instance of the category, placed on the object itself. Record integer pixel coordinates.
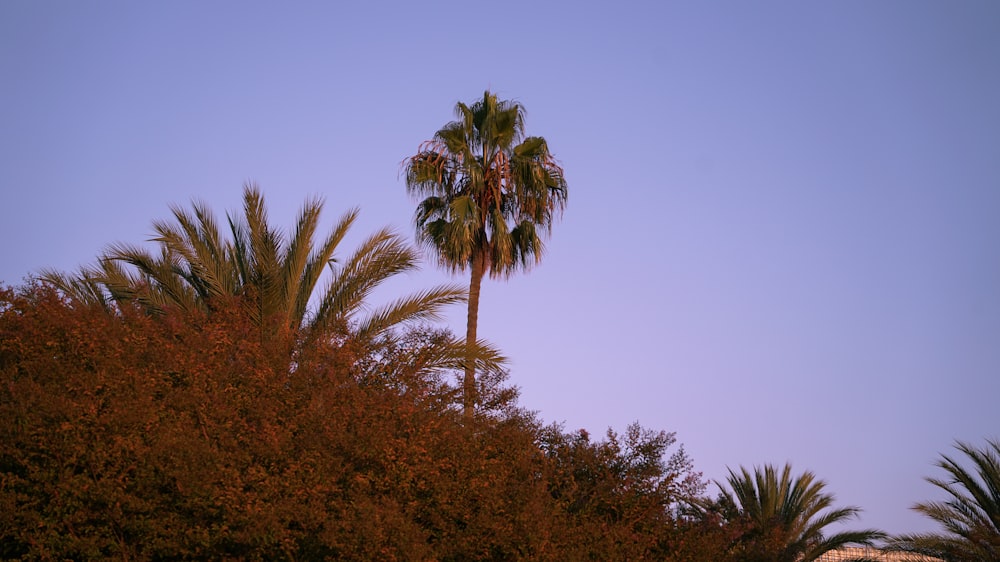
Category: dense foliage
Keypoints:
(182, 435)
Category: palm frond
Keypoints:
(970, 517)
(421, 306)
(84, 288)
(795, 511)
(322, 257)
(296, 258)
(381, 256)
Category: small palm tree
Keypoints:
(782, 519)
(276, 277)
(487, 192)
(970, 516)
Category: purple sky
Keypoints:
(782, 238)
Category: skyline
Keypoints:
(781, 232)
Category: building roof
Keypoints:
(852, 553)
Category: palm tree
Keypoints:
(486, 192)
(782, 519)
(971, 514)
(275, 277)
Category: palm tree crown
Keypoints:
(783, 518)
(274, 275)
(486, 192)
(970, 516)
(486, 188)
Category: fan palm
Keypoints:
(275, 278)
(783, 519)
(487, 191)
(971, 514)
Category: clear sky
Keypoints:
(783, 231)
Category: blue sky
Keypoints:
(782, 233)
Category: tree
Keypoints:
(619, 494)
(144, 437)
(275, 276)
(487, 191)
(782, 519)
(971, 514)
(179, 436)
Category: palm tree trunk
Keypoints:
(469, 386)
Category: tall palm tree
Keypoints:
(782, 519)
(274, 275)
(487, 191)
(970, 516)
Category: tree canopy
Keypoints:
(274, 276)
(781, 518)
(179, 435)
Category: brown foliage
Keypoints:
(185, 436)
